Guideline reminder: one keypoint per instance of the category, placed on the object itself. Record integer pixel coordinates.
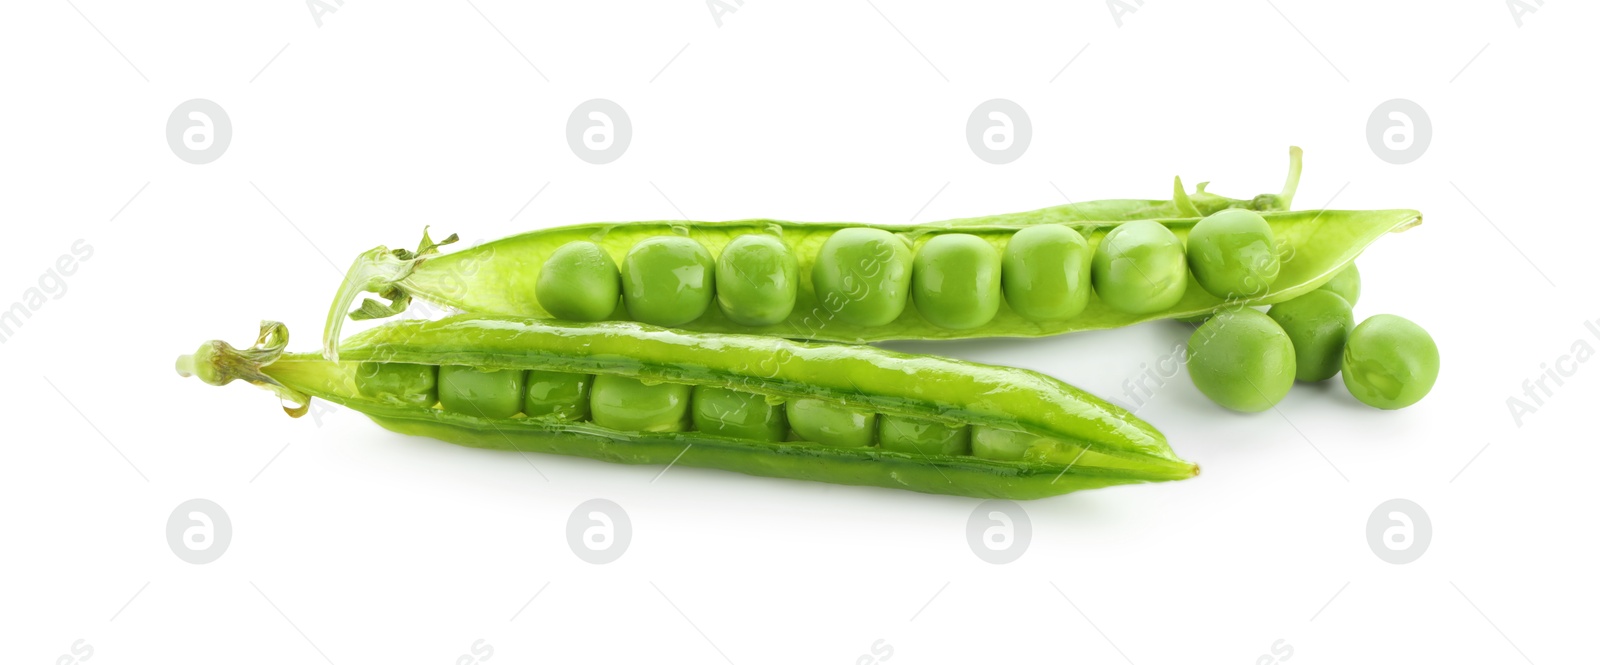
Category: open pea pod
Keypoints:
(502, 277)
(931, 424)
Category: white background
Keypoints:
(351, 544)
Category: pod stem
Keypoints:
(1292, 182)
(218, 363)
(379, 270)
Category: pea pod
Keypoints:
(1070, 440)
(863, 285)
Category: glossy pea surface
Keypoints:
(922, 437)
(999, 444)
(863, 275)
(757, 280)
(630, 405)
(1233, 255)
(667, 280)
(399, 383)
(1346, 283)
(1390, 362)
(476, 392)
(955, 281)
(1139, 268)
(1242, 360)
(830, 424)
(1317, 323)
(579, 282)
(1045, 273)
(564, 395)
(738, 415)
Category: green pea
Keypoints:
(739, 415)
(1045, 272)
(830, 424)
(493, 393)
(1139, 268)
(398, 383)
(667, 280)
(630, 405)
(1317, 324)
(955, 281)
(1346, 283)
(579, 282)
(757, 280)
(1001, 444)
(564, 395)
(1008, 445)
(922, 437)
(1242, 360)
(1232, 254)
(1390, 362)
(862, 275)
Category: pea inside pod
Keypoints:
(1233, 254)
(579, 282)
(863, 276)
(955, 281)
(757, 280)
(1046, 273)
(1139, 268)
(667, 280)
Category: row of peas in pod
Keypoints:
(1247, 360)
(869, 276)
(629, 404)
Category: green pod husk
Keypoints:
(498, 278)
(1083, 442)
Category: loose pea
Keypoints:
(478, 392)
(739, 415)
(579, 282)
(1045, 272)
(955, 281)
(630, 405)
(1139, 268)
(1346, 283)
(922, 437)
(1242, 360)
(829, 424)
(1232, 254)
(564, 395)
(757, 280)
(862, 275)
(1390, 362)
(667, 280)
(1317, 324)
(400, 383)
